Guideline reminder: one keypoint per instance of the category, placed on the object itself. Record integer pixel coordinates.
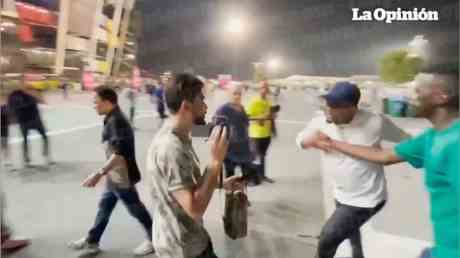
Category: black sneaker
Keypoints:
(268, 180)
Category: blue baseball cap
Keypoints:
(343, 93)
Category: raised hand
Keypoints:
(219, 144)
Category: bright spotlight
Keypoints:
(274, 64)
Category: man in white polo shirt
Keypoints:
(359, 186)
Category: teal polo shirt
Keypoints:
(438, 152)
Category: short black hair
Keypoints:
(108, 94)
(182, 87)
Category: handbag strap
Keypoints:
(221, 188)
(221, 179)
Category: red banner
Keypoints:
(34, 15)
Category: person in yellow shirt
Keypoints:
(260, 128)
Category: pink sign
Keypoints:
(224, 80)
(137, 80)
(88, 81)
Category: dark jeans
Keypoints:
(260, 148)
(161, 109)
(130, 199)
(4, 123)
(132, 112)
(246, 168)
(426, 253)
(25, 128)
(345, 223)
(4, 131)
(208, 253)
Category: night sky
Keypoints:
(311, 37)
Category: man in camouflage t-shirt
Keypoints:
(181, 194)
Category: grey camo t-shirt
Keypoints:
(172, 165)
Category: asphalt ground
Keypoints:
(48, 205)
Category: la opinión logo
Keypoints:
(390, 16)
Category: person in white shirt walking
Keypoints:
(359, 186)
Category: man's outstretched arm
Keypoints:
(377, 155)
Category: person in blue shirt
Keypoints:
(158, 93)
(437, 150)
(239, 152)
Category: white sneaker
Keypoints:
(86, 248)
(144, 249)
(90, 250)
(79, 244)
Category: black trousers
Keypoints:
(260, 147)
(4, 131)
(161, 110)
(25, 128)
(345, 223)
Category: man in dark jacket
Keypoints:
(24, 105)
(122, 173)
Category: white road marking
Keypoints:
(145, 114)
(16, 140)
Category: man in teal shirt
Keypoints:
(437, 150)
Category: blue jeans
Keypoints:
(345, 223)
(161, 109)
(426, 253)
(130, 199)
(260, 147)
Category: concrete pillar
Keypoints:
(124, 32)
(92, 49)
(63, 24)
(115, 30)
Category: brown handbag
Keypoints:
(235, 213)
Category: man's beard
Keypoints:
(199, 121)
